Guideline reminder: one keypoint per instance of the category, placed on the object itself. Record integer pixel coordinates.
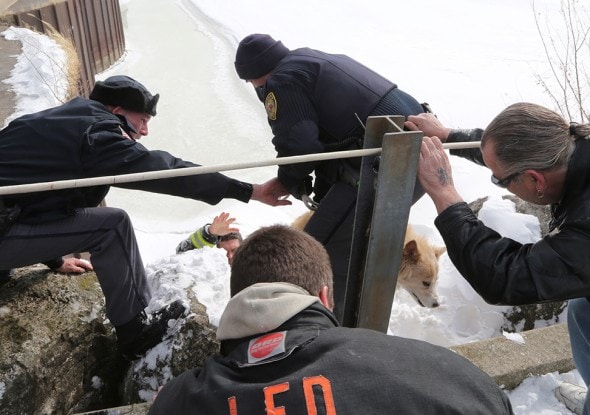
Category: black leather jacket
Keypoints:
(327, 369)
(314, 101)
(82, 139)
(503, 271)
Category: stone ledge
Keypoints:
(135, 409)
(508, 362)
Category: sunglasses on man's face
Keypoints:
(505, 182)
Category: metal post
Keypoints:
(380, 222)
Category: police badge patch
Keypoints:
(270, 103)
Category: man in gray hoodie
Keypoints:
(282, 350)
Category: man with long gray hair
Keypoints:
(540, 157)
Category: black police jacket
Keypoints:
(504, 271)
(82, 139)
(314, 101)
(325, 369)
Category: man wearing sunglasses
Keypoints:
(543, 159)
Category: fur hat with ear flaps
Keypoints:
(258, 55)
(125, 92)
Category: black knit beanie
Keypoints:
(125, 92)
(258, 55)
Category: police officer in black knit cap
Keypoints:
(91, 138)
(318, 102)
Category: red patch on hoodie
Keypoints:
(266, 346)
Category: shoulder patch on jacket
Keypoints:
(270, 104)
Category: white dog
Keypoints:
(418, 271)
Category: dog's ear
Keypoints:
(440, 250)
(411, 253)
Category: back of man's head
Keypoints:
(123, 91)
(281, 254)
(257, 55)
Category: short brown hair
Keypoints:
(281, 254)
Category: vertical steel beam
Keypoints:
(381, 219)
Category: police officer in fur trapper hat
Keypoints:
(314, 101)
(126, 92)
(129, 100)
(96, 137)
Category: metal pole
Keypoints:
(189, 171)
(376, 127)
(380, 223)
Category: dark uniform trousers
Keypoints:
(332, 225)
(107, 234)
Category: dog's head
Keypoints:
(419, 271)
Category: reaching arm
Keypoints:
(429, 125)
(271, 192)
(222, 225)
(432, 127)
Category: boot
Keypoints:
(572, 396)
(6, 276)
(145, 331)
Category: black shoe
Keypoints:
(145, 331)
(6, 276)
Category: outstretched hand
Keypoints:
(74, 266)
(429, 125)
(272, 193)
(221, 225)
